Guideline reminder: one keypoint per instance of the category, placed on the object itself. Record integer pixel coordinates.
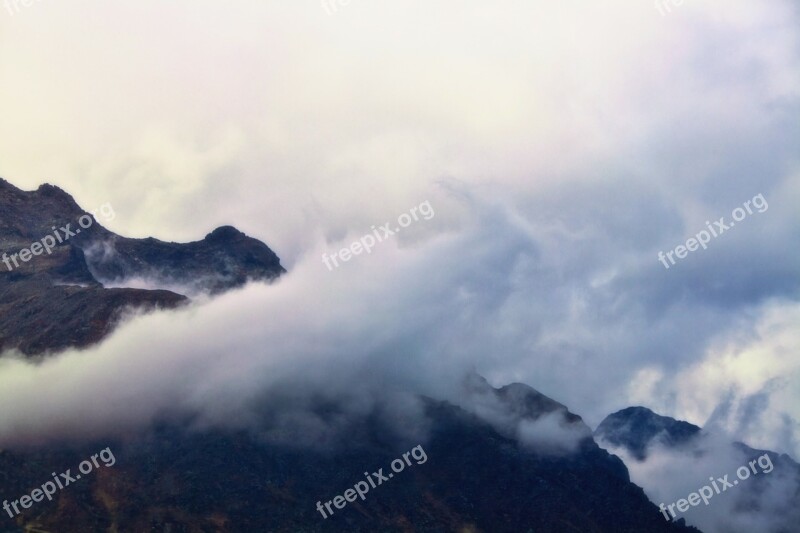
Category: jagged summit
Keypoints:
(53, 190)
(224, 233)
(636, 428)
(45, 189)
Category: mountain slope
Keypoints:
(473, 479)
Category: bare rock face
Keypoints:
(59, 297)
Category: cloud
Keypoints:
(764, 501)
(744, 384)
(410, 318)
(574, 143)
(282, 120)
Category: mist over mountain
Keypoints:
(505, 459)
(637, 428)
(671, 459)
(262, 250)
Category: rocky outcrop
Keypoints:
(60, 297)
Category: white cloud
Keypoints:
(593, 135)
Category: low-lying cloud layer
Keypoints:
(562, 145)
(410, 317)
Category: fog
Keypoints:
(562, 146)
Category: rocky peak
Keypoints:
(78, 270)
(636, 428)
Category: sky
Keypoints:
(561, 146)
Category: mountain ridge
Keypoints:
(66, 283)
(489, 470)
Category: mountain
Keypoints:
(506, 459)
(58, 298)
(472, 479)
(636, 428)
(671, 458)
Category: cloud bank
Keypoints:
(563, 145)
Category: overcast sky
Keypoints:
(562, 146)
